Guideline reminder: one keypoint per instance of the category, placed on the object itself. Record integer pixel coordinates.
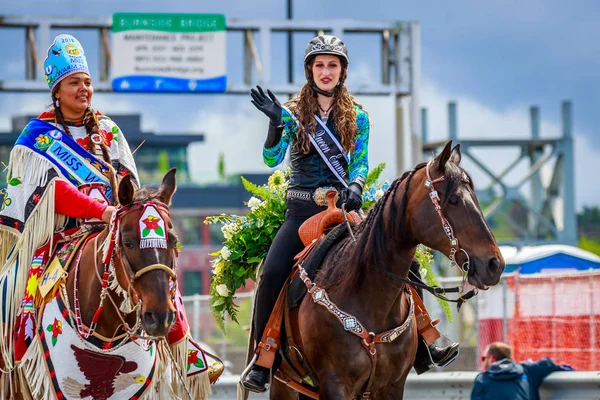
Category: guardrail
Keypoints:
(458, 385)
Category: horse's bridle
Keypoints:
(435, 199)
(437, 291)
(130, 275)
(109, 246)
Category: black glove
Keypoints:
(273, 136)
(353, 197)
(270, 106)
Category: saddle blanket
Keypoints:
(96, 368)
(100, 368)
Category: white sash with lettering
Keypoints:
(329, 148)
(331, 151)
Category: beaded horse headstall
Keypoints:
(152, 234)
(435, 199)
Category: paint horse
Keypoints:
(103, 335)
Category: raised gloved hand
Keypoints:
(269, 105)
(353, 197)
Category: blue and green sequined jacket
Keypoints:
(309, 171)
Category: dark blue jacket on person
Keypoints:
(507, 379)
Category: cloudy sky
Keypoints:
(495, 58)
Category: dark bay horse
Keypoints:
(435, 204)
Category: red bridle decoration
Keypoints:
(108, 261)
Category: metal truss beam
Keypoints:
(256, 61)
(550, 209)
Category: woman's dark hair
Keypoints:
(92, 125)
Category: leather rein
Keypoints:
(438, 291)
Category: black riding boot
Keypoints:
(431, 356)
(443, 356)
(258, 379)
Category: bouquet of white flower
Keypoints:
(247, 240)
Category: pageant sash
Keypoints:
(331, 151)
(329, 148)
(72, 161)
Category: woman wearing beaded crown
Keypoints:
(61, 175)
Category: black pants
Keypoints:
(280, 260)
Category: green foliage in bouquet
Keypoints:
(247, 240)
(425, 258)
(374, 190)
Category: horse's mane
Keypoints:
(349, 266)
(145, 193)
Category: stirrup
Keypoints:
(449, 360)
(247, 369)
(245, 373)
(254, 389)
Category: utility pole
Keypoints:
(290, 46)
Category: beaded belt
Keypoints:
(319, 195)
(306, 195)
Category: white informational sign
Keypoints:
(168, 53)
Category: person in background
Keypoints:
(503, 378)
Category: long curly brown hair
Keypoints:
(305, 106)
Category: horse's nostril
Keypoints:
(149, 318)
(493, 263)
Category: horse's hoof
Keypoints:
(215, 371)
(257, 380)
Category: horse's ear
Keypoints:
(455, 156)
(168, 187)
(443, 158)
(126, 191)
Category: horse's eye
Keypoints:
(453, 200)
(128, 243)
